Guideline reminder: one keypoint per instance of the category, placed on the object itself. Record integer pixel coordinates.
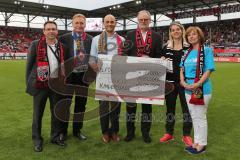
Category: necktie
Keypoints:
(78, 42)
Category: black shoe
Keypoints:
(129, 137)
(63, 136)
(59, 141)
(80, 136)
(38, 148)
(188, 149)
(191, 150)
(147, 139)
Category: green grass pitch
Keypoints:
(16, 120)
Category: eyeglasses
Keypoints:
(143, 20)
(49, 29)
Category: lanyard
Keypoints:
(55, 53)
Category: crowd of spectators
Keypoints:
(221, 33)
(15, 40)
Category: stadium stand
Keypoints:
(15, 39)
(217, 33)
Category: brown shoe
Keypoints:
(115, 137)
(106, 138)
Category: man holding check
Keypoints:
(108, 43)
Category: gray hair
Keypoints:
(79, 15)
(144, 11)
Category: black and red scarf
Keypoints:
(43, 70)
(143, 47)
(197, 97)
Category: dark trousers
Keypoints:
(146, 118)
(80, 104)
(39, 103)
(79, 110)
(171, 107)
(109, 111)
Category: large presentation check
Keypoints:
(131, 79)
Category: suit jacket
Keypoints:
(31, 68)
(67, 40)
(156, 44)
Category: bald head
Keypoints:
(109, 16)
(109, 23)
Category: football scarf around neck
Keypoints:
(43, 69)
(197, 97)
(102, 43)
(143, 47)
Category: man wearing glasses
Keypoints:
(44, 59)
(145, 43)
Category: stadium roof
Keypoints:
(130, 9)
(80, 4)
(126, 10)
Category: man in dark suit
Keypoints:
(78, 44)
(144, 43)
(44, 59)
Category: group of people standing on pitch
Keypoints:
(57, 69)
